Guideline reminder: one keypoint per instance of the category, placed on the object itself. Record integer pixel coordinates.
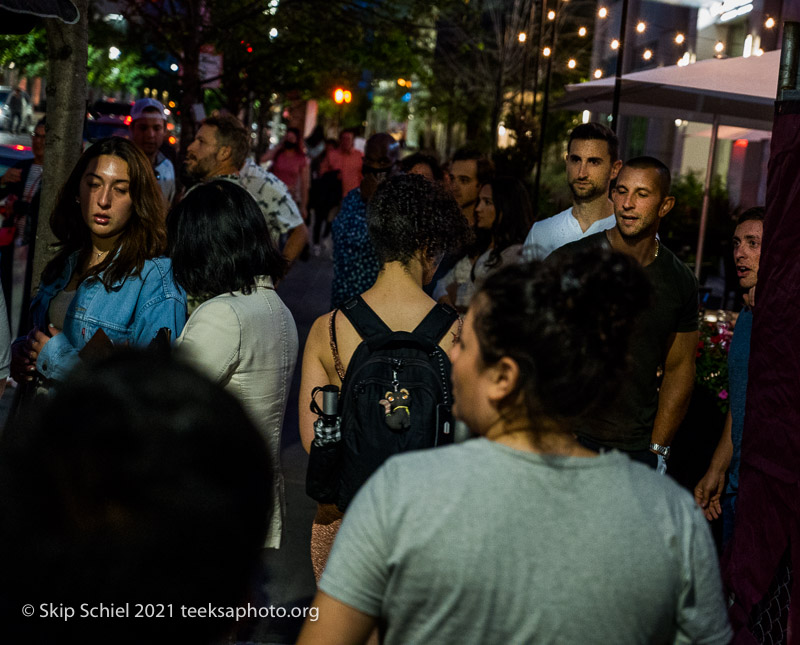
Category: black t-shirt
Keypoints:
(627, 421)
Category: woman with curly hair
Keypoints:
(108, 282)
(523, 535)
(412, 223)
(242, 336)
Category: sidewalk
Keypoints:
(290, 579)
(307, 293)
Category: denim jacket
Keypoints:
(131, 313)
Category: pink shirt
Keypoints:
(287, 168)
(350, 166)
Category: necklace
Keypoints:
(658, 246)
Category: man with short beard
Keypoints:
(643, 416)
(592, 163)
(220, 151)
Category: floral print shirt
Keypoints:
(355, 265)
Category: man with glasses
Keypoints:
(355, 265)
(21, 184)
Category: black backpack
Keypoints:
(395, 396)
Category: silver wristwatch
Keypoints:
(661, 450)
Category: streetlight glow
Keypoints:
(602, 12)
(522, 36)
(174, 67)
(582, 31)
(679, 39)
(571, 63)
(647, 55)
(338, 95)
(551, 15)
(546, 51)
(769, 23)
(615, 44)
(641, 27)
(598, 73)
(719, 47)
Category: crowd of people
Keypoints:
(564, 345)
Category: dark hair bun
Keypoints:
(566, 323)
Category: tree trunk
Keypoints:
(68, 50)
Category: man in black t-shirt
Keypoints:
(651, 402)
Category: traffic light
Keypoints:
(342, 96)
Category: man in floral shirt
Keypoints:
(355, 265)
(219, 151)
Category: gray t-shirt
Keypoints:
(480, 543)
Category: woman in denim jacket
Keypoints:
(107, 275)
(242, 336)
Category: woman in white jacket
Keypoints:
(243, 335)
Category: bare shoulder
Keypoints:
(451, 338)
(318, 336)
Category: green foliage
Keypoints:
(28, 52)
(126, 73)
(712, 361)
(679, 228)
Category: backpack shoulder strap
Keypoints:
(337, 360)
(366, 322)
(437, 323)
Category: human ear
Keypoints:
(615, 168)
(224, 153)
(504, 378)
(666, 206)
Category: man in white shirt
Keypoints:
(592, 162)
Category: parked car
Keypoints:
(111, 107)
(10, 154)
(96, 128)
(26, 122)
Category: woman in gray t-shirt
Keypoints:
(523, 535)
